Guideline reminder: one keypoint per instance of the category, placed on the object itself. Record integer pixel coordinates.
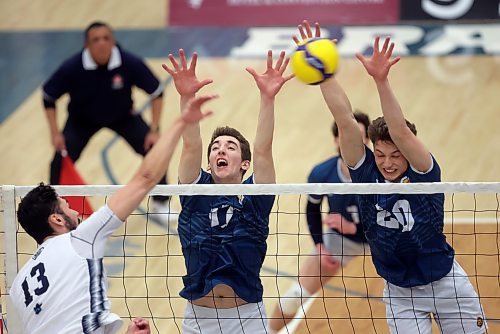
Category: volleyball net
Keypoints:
(145, 265)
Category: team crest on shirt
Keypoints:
(220, 217)
(479, 322)
(117, 82)
(405, 179)
(37, 308)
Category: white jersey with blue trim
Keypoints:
(60, 291)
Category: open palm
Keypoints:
(192, 112)
(185, 79)
(271, 81)
(379, 64)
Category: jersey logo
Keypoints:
(37, 308)
(405, 179)
(221, 216)
(117, 82)
(399, 215)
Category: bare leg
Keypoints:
(311, 282)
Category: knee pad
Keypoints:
(293, 299)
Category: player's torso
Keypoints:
(101, 92)
(224, 242)
(405, 233)
(330, 171)
(414, 218)
(55, 284)
(218, 218)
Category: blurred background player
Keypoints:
(63, 286)
(405, 232)
(343, 240)
(99, 81)
(224, 237)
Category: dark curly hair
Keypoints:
(34, 210)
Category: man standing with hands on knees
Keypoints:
(99, 80)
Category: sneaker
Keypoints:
(163, 213)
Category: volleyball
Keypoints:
(315, 61)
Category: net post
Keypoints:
(10, 247)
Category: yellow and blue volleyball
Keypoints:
(315, 61)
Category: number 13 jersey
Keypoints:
(60, 291)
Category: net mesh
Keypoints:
(145, 264)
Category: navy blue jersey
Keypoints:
(223, 241)
(405, 231)
(330, 171)
(100, 94)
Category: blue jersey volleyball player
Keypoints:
(336, 246)
(405, 232)
(223, 238)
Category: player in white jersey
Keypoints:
(62, 288)
(405, 232)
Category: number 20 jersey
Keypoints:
(404, 231)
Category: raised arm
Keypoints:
(154, 128)
(378, 66)
(154, 165)
(269, 84)
(187, 85)
(351, 141)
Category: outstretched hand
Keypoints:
(271, 81)
(306, 33)
(192, 111)
(379, 64)
(185, 80)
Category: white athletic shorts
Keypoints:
(248, 318)
(344, 249)
(452, 300)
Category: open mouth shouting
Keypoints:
(221, 162)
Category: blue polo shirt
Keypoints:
(100, 94)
